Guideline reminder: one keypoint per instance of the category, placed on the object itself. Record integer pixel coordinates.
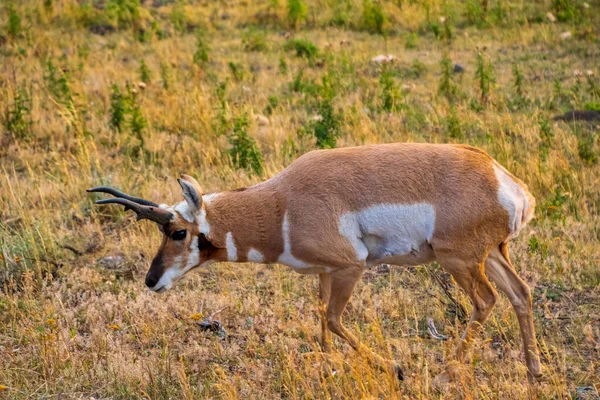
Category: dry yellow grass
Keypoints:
(72, 326)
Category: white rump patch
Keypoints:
(231, 249)
(255, 256)
(388, 231)
(286, 257)
(515, 200)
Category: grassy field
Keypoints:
(131, 95)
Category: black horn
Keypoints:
(144, 209)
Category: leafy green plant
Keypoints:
(57, 83)
(297, 12)
(475, 12)
(273, 103)
(546, 137)
(255, 40)
(324, 126)
(585, 149)
(518, 80)
(453, 125)
(411, 41)
(244, 151)
(137, 122)
(303, 47)
(283, 67)
(178, 18)
(202, 49)
(447, 87)
(118, 109)
(18, 117)
(237, 70)
(14, 22)
(125, 12)
(484, 73)
(145, 74)
(374, 17)
(566, 10)
(165, 75)
(390, 92)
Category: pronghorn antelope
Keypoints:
(338, 212)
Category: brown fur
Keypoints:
(469, 240)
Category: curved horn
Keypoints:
(153, 213)
(116, 193)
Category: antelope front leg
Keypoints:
(342, 285)
(324, 295)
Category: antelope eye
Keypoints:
(178, 235)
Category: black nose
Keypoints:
(151, 280)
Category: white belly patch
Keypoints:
(389, 231)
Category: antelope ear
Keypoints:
(191, 192)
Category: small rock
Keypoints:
(459, 69)
(317, 117)
(111, 262)
(565, 35)
(551, 17)
(442, 20)
(262, 120)
(586, 5)
(589, 72)
(383, 58)
(142, 85)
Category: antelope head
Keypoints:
(185, 245)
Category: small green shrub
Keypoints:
(244, 151)
(273, 103)
(14, 22)
(484, 73)
(18, 117)
(453, 125)
(475, 13)
(145, 74)
(546, 137)
(390, 92)
(237, 70)
(178, 18)
(126, 13)
(326, 123)
(296, 14)
(118, 109)
(303, 47)
(374, 18)
(165, 75)
(447, 87)
(566, 10)
(585, 149)
(518, 80)
(57, 83)
(411, 41)
(255, 40)
(202, 49)
(283, 67)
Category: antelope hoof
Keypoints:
(534, 378)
